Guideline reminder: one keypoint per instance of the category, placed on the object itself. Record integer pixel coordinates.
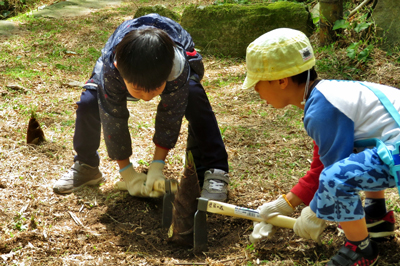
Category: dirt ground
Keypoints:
(268, 152)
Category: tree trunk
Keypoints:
(329, 12)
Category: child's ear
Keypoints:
(115, 64)
(283, 83)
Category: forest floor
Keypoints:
(268, 152)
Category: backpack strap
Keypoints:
(390, 158)
(385, 102)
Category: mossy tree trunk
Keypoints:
(330, 11)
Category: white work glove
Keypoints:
(261, 230)
(309, 226)
(274, 208)
(267, 211)
(155, 173)
(133, 182)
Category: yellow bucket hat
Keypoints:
(278, 54)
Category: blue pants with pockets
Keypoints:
(337, 197)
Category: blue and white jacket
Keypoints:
(337, 113)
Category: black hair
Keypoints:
(145, 58)
(302, 77)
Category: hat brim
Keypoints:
(249, 82)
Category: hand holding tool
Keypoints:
(158, 185)
(155, 173)
(242, 212)
(309, 226)
(134, 181)
(268, 210)
(206, 205)
(261, 230)
(275, 207)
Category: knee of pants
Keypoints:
(196, 90)
(88, 102)
(334, 187)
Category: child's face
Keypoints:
(271, 92)
(141, 94)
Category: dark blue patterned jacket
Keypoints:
(112, 91)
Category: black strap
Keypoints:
(345, 256)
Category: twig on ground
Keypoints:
(76, 219)
(357, 8)
(152, 245)
(192, 263)
(238, 258)
(120, 222)
(24, 209)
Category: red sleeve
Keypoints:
(308, 184)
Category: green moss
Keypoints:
(11, 8)
(228, 29)
(159, 9)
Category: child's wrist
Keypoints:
(287, 201)
(125, 168)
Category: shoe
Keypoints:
(79, 175)
(379, 229)
(350, 255)
(215, 185)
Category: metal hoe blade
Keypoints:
(167, 205)
(200, 227)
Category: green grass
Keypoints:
(46, 52)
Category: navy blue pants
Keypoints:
(204, 138)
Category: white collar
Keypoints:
(178, 64)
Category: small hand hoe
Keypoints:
(206, 205)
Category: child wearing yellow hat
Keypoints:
(356, 126)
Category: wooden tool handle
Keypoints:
(250, 214)
(159, 185)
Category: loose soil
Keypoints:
(268, 152)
